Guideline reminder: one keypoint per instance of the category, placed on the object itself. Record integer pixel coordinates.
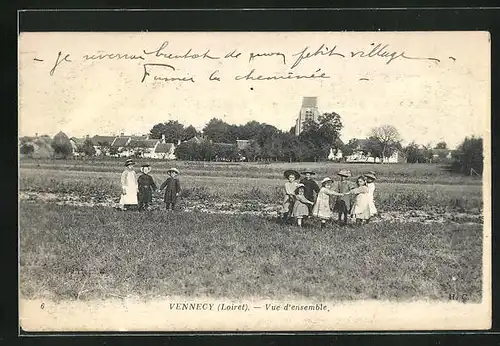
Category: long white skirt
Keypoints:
(130, 197)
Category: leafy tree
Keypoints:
(189, 132)
(470, 156)
(414, 154)
(27, 149)
(349, 148)
(216, 130)
(187, 151)
(172, 130)
(225, 152)
(253, 152)
(88, 148)
(441, 145)
(250, 130)
(384, 141)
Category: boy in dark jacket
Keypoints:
(172, 188)
(146, 187)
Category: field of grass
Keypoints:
(88, 252)
(389, 196)
(99, 253)
(390, 173)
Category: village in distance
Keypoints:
(315, 137)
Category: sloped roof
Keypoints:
(164, 147)
(138, 138)
(148, 143)
(78, 141)
(120, 142)
(195, 139)
(103, 139)
(339, 142)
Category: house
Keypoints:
(77, 145)
(335, 152)
(141, 148)
(243, 143)
(442, 154)
(361, 154)
(195, 139)
(120, 143)
(165, 151)
(102, 144)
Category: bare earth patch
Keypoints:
(243, 208)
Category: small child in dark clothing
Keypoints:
(146, 187)
(172, 188)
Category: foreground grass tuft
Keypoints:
(97, 253)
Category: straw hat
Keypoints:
(325, 180)
(129, 162)
(371, 175)
(173, 170)
(290, 172)
(344, 173)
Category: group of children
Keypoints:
(137, 192)
(305, 198)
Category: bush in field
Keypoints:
(88, 148)
(27, 149)
(62, 145)
(469, 156)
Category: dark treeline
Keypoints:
(258, 141)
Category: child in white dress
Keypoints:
(361, 208)
(289, 193)
(301, 205)
(128, 197)
(321, 208)
(370, 178)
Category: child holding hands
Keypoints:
(321, 208)
(301, 205)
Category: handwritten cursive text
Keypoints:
(188, 55)
(252, 76)
(322, 50)
(163, 78)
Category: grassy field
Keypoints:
(98, 253)
(390, 173)
(389, 196)
(70, 252)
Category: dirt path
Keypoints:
(244, 208)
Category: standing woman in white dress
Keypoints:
(370, 178)
(128, 197)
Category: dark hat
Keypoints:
(299, 186)
(310, 172)
(129, 162)
(290, 172)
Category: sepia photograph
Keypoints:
(254, 181)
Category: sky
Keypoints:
(426, 100)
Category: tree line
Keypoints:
(218, 142)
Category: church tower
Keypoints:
(308, 111)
